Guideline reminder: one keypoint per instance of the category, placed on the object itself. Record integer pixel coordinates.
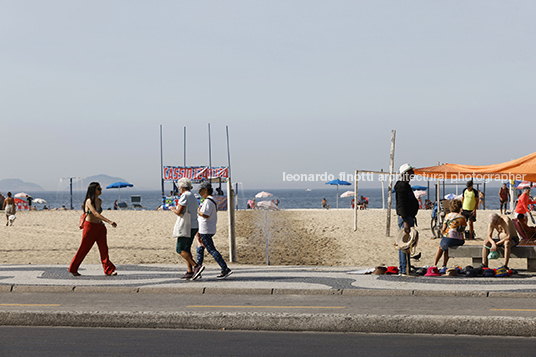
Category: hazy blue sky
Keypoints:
(305, 86)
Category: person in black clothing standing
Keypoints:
(407, 207)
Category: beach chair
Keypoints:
(528, 234)
(122, 205)
(135, 201)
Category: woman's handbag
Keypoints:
(82, 220)
(183, 226)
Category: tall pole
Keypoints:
(390, 192)
(266, 236)
(337, 197)
(184, 146)
(232, 223)
(231, 197)
(162, 167)
(71, 190)
(355, 199)
(209, 150)
(228, 152)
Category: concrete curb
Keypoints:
(458, 325)
(259, 291)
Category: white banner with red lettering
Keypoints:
(195, 173)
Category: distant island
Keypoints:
(104, 180)
(16, 185)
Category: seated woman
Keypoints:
(526, 232)
(453, 230)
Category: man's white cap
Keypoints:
(404, 168)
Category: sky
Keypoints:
(304, 87)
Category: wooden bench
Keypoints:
(475, 252)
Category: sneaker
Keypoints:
(198, 277)
(197, 271)
(224, 274)
(188, 276)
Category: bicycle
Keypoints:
(438, 218)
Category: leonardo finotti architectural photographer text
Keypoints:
(369, 177)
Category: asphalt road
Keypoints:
(323, 304)
(50, 341)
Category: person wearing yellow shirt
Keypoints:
(469, 206)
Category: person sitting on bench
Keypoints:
(507, 237)
(453, 229)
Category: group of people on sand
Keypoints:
(9, 208)
(362, 203)
(501, 228)
(203, 220)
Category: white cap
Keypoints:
(404, 168)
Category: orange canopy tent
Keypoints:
(520, 169)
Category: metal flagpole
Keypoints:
(162, 167)
(71, 190)
(231, 205)
(228, 151)
(209, 150)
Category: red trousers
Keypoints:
(93, 232)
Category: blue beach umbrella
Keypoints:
(338, 182)
(119, 185)
(419, 188)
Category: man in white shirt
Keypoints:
(207, 216)
(187, 203)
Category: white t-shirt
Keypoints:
(208, 225)
(189, 201)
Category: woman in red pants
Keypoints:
(94, 231)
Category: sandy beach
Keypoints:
(296, 237)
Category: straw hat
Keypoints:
(379, 271)
(406, 240)
(452, 272)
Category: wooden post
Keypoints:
(390, 193)
(355, 200)
(231, 213)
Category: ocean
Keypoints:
(288, 198)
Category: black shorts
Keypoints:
(469, 215)
(514, 239)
